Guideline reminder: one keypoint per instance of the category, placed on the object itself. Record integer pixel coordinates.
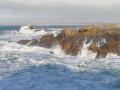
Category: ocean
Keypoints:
(34, 68)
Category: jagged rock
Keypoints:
(69, 48)
(48, 41)
(113, 47)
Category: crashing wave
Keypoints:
(28, 29)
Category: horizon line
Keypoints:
(19, 24)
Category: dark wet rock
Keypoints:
(24, 42)
(34, 42)
(51, 52)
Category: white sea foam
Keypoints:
(112, 55)
(86, 52)
(26, 29)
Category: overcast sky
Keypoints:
(59, 11)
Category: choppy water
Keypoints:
(33, 68)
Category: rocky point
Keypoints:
(103, 40)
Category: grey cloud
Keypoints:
(57, 4)
(59, 11)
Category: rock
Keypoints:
(69, 32)
(28, 29)
(113, 47)
(104, 40)
(51, 52)
(37, 30)
(65, 46)
(60, 37)
(24, 42)
(101, 55)
(31, 27)
(94, 48)
(111, 26)
(69, 48)
(48, 41)
(34, 42)
(87, 28)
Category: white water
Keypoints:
(34, 68)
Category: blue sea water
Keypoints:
(34, 68)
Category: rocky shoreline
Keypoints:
(103, 40)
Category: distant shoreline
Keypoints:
(54, 24)
(45, 24)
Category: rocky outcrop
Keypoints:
(47, 41)
(103, 40)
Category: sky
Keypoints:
(59, 11)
